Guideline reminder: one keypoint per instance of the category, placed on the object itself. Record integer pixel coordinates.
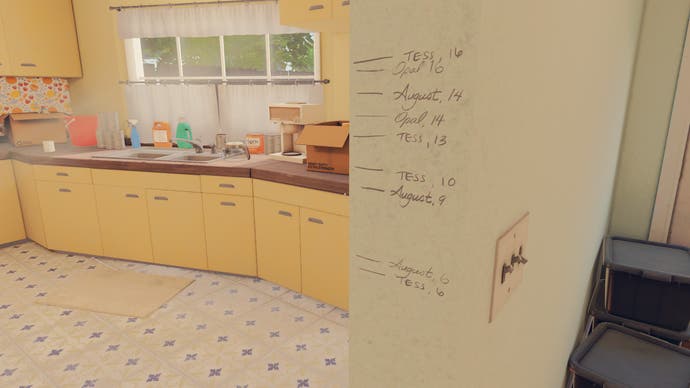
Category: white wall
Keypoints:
(547, 87)
(651, 101)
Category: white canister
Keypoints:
(48, 146)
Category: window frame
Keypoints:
(135, 63)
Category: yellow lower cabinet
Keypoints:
(11, 222)
(325, 257)
(124, 221)
(230, 241)
(176, 221)
(277, 243)
(30, 204)
(70, 217)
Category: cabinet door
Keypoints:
(4, 54)
(277, 243)
(341, 15)
(176, 220)
(30, 204)
(325, 257)
(124, 221)
(43, 38)
(296, 12)
(230, 240)
(70, 217)
(12, 224)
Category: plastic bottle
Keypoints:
(134, 134)
(184, 131)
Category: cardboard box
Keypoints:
(27, 129)
(328, 147)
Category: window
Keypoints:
(237, 57)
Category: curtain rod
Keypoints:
(228, 82)
(121, 7)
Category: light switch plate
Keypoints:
(512, 243)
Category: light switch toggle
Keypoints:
(507, 269)
(518, 259)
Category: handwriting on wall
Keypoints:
(401, 272)
(419, 122)
(413, 115)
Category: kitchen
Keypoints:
(116, 207)
(499, 155)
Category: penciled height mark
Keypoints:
(370, 70)
(368, 258)
(370, 271)
(369, 168)
(370, 60)
(371, 116)
(371, 93)
(367, 136)
(373, 189)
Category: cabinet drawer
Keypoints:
(147, 180)
(226, 185)
(62, 174)
(307, 198)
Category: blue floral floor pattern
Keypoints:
(221, 331)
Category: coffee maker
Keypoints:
(292, 117)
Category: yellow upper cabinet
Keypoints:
(4, 55)
(316, 15)
(40, 38)
(12, 224)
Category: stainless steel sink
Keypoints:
(135, 154)
(194, 158)
(148, 155)
(158, 155)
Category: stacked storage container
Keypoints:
(644, 298)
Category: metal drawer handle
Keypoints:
(65, 190)
(226, 185)
(160, 198)
(345, 3)
(28, 65)
(316, 7)
(315, 220)
(227, 204)
(131, 196)
(61, 174)
(284, 213)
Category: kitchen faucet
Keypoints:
(198, 146)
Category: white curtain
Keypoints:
(197, 103)
(244, 108)
(202, 20)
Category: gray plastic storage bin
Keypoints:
(599, 313)
(648, 282)
(618, 357)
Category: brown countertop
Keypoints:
(259, 167)
(297, 175)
